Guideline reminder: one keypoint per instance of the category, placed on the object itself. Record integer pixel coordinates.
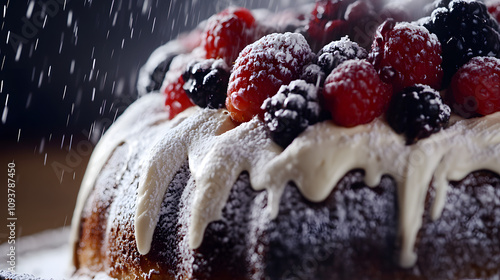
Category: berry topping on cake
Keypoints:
(157, 76)
(260, 70)
(354, 94)
(313, 74)
(494, 9)
(332, 19)
(405, 54)
(329, 57)
(465, 30)
(227, 33)
(291, 111)
(417, 112)
(475, 88)
(206, 82)
(336, 52)
(177, 100)
(327, 21)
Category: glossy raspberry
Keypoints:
(206, 82)
(177, 100)
(227, 33)
(260, 70)
(336, 52)
(417, 112)
(406, 54)
(354, 94)
(291, 111)
(465, 30)
(475, 87)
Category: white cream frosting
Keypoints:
(315, 161)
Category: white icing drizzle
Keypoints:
(194, 137)
(218, 152)
(145, 112)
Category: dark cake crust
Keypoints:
(350, 235)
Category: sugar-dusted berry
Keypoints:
(227, 33)
(313, 74)
(354, 94)
(417, 112)
(260, 70)
(475, 88)
(291, 111)
(205, 82)
(336, 52)
(405, 54)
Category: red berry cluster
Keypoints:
(404, 62)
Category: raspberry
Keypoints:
(494, 9)
(405, 54)
(206, 82)
(336, 52)
(177, 100)
(291, 111)
(327, 21)
(260, 70)
(465, 30)
(363, 21)
(417, 112)
(475, 87)
(354, 94)
(227, 33)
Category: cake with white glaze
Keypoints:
(249, 160)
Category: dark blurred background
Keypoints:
(68, 68)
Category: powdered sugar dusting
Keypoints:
(172, 150)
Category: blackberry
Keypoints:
(206, 83)
(291, 111)
(313, 74)
(465, 30)
(336, 52)
(153, 73)
(331, 56)
(417, 112)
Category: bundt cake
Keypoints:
(286, 146)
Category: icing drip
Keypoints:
(194, 137)
(218, 152)
(146, 112)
